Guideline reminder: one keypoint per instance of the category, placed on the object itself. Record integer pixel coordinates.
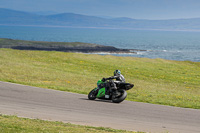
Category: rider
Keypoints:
(118, 76)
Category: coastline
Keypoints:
(64, 47)
(82, 27)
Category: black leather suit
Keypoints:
(112, 85)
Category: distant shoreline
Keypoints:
(81, 27)
(63, 47)
(17, 18)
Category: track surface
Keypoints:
(33, 102)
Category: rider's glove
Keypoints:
(103, 79)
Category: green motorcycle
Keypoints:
(116, 95)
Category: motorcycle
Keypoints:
(116, 95)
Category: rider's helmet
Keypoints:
(117, 72)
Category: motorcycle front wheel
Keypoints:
(119, 98)
(92, 95)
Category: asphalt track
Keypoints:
(33, 102)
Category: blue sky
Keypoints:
(138, 9)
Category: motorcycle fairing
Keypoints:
(101, 92)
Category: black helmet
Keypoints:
(117, 72)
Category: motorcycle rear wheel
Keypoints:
(120, 98)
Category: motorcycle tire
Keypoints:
(92, 95)
(119, 98)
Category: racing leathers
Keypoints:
(112, 84)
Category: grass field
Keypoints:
(13, 124)
(157, 81)
(8, 43)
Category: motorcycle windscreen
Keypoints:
(101, 93)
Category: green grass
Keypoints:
(157, 81)
(13, 124)
(8, 43)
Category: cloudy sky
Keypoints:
(138, 9)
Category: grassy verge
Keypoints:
(158, 81)
(8, 43)
(13, 124)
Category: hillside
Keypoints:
(12, 17)
(157, 81)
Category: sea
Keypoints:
(170, 45)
